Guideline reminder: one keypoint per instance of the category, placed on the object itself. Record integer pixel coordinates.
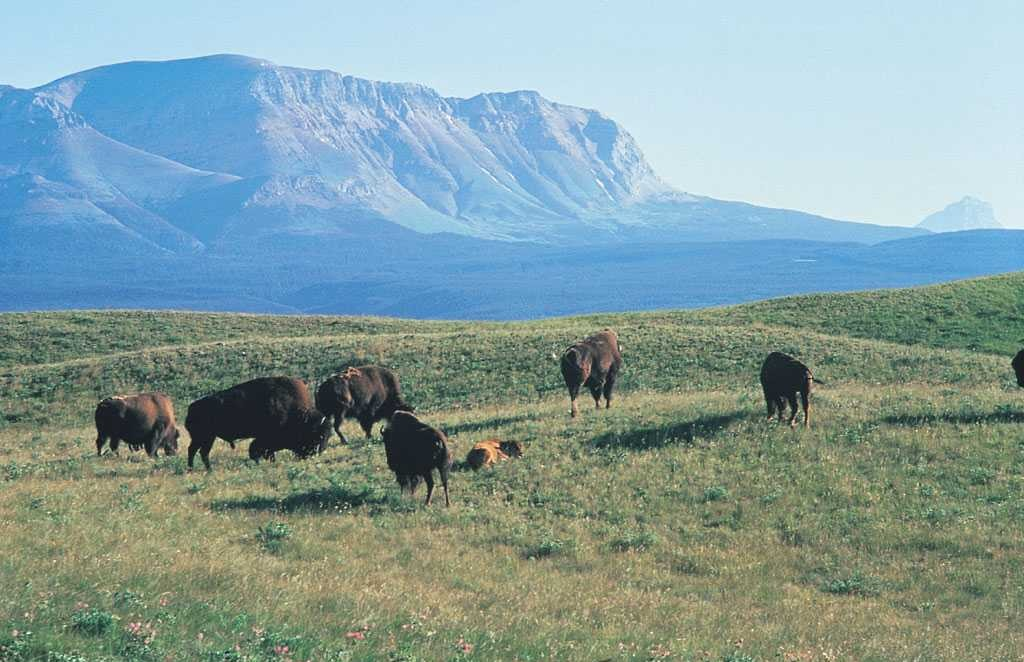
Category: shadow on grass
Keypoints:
(678, 433)
(333, 497)
(487, 423)
(963, 418)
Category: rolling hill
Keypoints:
(679, 510)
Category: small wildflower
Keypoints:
(464, 646)
(358, 635)
(200, 636)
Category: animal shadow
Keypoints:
(487, 423)
(964, 418)
(334, 497)
(678, 433)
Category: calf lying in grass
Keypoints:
(486, 453)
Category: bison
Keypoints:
(368, 394)
(414, 450)
(1018, 367)
(276, 412)
(486, 453)
(145, 421)
(594, 363)
(782, 377)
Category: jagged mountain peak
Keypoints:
(967, 213)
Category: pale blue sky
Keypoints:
(878, 111)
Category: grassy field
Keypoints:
(677, 525)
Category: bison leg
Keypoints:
(780, 406)
(429, 480)
(444, 483)
(255, 451)
(366, 422)
(793, 409)
(100, 441)
(609, 385)
(115, 443)
(574, 392)
(806, 400)
(202, 446)
(595, 392)
(770, 402)
(153, 442)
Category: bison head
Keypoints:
(334, 396)
(1018, 367)
(511, 448)
(315, 431)
(171, 442)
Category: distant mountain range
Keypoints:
(965, 214)
(234, 183)
(221, 151)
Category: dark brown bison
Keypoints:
(486, 453)
(145, 421)
(594, 363)
(414, 450)
(368, 394)
(276, 412)
(782, 377)
(1018, 367)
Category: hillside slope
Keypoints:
(865, 537)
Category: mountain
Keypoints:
(66, 187)
(314, 152)
(968, 213)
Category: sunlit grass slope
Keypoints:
(677, 525)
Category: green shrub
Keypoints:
(92, 621)
(272, 536)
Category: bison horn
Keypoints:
(323, 419)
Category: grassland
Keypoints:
(677, 525)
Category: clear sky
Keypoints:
(868, 110)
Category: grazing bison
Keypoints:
(594, 363)
(486, 453)
(414, 450)
(1018, 367)
(276, 412)
(368, 394)
(145, 421)
(782, 377)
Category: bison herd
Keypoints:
(277, 413)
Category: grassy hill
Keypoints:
(677, 525)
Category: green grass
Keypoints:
(677, 525)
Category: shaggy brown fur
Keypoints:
(1018, 367)
(414, 449)
(368, 394)
(594, 363)
(145, 421)
(782, 377)
(277, 412)
(486, 453)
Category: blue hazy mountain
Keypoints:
(232, 183)
(303, 151)
(968, 213)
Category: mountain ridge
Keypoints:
(511, 166)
